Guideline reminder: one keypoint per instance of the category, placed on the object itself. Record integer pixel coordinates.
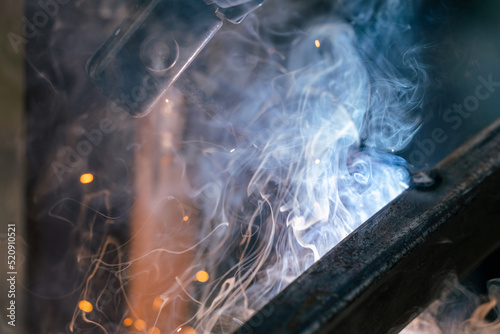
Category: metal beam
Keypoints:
(379, 277)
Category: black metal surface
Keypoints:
(378, 278)
(148, 52)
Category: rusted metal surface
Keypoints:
(378, 278)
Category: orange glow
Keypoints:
(86, 178)
(317, 43)
(140, 325)
(157, 303)
(186, 330)
(154, 330)
(202, 276)
(85, 306)
(127, 322)
(167, 100)
(185, 218)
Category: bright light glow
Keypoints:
(317, 43)
(167, 100)
(86, 178)
(85, 306)
(186, 330)
(140, 325)
(186, 218)
(153, 330)
(202, 276)
(157, 303)
(232, 150)
(317, 161)
(127, 322)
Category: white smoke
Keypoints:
(301, 155)
(460, 311)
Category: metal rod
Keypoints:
(379, 277)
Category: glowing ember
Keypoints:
(202, 276)
(317, 43)
(157, 303)
(140, 325)
(186, 218)
(186, 330)
(85, 306)
(154, 330)
(128, 322)
(86, 178)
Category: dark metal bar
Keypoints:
(379, 277)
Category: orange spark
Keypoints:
(140, 325)
(202, 276)
(186, 218)
(317, 43)
(154, 330)
(86, 178)
(187, 330)
(157, 303)
(127, 322)
(85, 306)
